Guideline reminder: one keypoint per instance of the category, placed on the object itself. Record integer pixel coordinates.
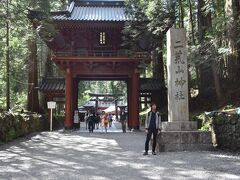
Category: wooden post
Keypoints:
(96, 105)
(68, 102)
(75, 94)
(129, 119)
(51, 116)
(49, 98)
(135, 83)
(133, 101)
(116, 108)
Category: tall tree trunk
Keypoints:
(158, 65)
(7, 59)
(155, 64)
(158, 73)
(181, 14)
(46, 70)
(217, 83)
(191, 22)
(49, 66)
(205, 72)
(33, 101)
(238, 42)
(194, 43)
(232, 9)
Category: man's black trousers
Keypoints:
(90, 126)
(149, 135)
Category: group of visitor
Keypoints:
(152, 124)
(95, 121)
(92, 120)
(104, 120)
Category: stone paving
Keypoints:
(100, 156)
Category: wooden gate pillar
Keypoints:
(129, 121)
(75, 94)
(134, 92)
(68, 122)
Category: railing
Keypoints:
(103, 53)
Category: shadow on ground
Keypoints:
(76, 155)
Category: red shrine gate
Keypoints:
(88, 45)
(125, 71)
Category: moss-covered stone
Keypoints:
(227, 131)
(14, 125)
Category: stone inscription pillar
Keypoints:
(177, 67)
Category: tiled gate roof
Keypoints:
(94, 11)
(57, 85)
(95, 14)
(150, 84)
(54, 85)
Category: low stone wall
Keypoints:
(226, 131)
(14, 125)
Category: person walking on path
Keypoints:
(91, 120)
(105, 121)
(103, 118)
(98, 119)
(86, 119)
(123, 120)
(152, 127)
(94, 120)
(110, 119)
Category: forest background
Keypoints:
(212, 26)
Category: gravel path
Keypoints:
(100, 156)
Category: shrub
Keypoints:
(204, 122)
(142, 119)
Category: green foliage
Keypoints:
(20, 32)
(142, 119)
(113, 87)
(215, 118)
(58, 121)
(226, 131)
(20, 101)
(229, 106)
(204, 54)
(204, 122)
(153, 19)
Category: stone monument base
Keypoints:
(179, 126)
(185, 141)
